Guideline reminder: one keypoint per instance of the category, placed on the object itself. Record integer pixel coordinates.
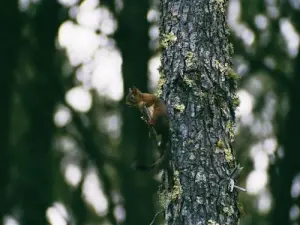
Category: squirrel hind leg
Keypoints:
(161, 125)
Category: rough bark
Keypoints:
(199, 88)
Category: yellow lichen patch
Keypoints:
(230, 129)
(161, 82)
(176, 191)
(203, 95)
(189, 60)
(166, 197)
(212, 222)
(228, 210)
(220, 4)
(220, 144)
(236, 101)
(233, 75)
(226, 70)
(180, 107)
(231, 48)
(228, 155)
(229, 125)
(167, 39)
(189, 55)
(163, 198)
(188, 82)
(222, 68)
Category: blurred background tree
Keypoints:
(68, 141)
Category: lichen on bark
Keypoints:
(200, 91)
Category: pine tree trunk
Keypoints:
(199, 88)
(39, 97)
(287, 167)
(9, 45)
(132, 39)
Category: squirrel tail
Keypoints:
(143, 168)
(153, 167)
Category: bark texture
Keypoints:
(199, 88)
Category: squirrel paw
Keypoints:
(152, 122)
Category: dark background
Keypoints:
(67, 140)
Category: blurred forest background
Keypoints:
(67, 140)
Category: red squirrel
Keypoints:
(159, 120)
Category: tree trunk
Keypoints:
(9, 45)
(133, 40)
(39, 100)
(199, 88)
(288, 166)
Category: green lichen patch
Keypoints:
(229, 125)
(188, 82)
(236, 101)
(220, 5)
(228, 210)
(226, 70)
(166, 197)
(230, 130)
(212, 222)
(230, 49)
(167, 39)
(232, 74)
(189, 55)
(220, 144)
(200, 94)
(163, 197)
(203, 95)
(160, 84)
(228, 155)
(222, 68)
(177, 190)
(190, 59)
(179, 107)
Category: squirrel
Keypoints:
(158, 119)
